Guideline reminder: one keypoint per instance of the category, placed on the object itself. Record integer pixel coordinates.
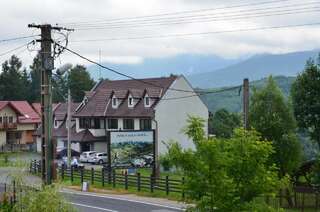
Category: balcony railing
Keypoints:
(8, 126)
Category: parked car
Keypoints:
(100, 158)
(63, 153)
(85, 156)
(138, 162)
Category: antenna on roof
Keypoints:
(100, 63)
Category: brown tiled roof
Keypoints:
(26, 114)
(61, 110)
(99, 103)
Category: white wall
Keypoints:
(3, 137)
(172, 115)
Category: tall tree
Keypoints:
(13, 80)
(305, 93)
(223, 123)
(79, 81)
(273, 118)
(35, 71)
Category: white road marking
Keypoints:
(124, 199)
(94, 207)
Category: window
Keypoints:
(130, 101)
(147, 101)
(128, 124)
(84, 123)
(96, 123)
(145, 124)
(112, 123)
(114, 102)
(10, 119)
(0, 119)
(56, 123)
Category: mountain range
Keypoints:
(210, 71)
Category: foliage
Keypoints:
(79, 80)
(225, 174)
(48, 200)
(13, 80)
(273, 118)
(306, 99)
(230, 100)
(223, 123)
(17, 83)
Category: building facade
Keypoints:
(18, 122)
(159, 104)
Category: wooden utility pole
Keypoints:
(246, 103)
(47, 65)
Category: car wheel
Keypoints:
(100, 162)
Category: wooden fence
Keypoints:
(115, 179)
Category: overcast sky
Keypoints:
(16, 14)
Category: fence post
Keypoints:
(183, 193)
(114, 178)
(62, 172)
(126, 180)
(92, 176)
(71, 172)
(317, 200)
(14, 191)
(138, 181)
(102, 176)
(81, 176)
(302, 206)
(151, 183)
(167, 184)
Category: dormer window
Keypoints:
(147, 101)
(130, 101)
(114, 102)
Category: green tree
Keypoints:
(35, 72)
(305, 93)
(13, 80)
(225, 176)
(223, 123)
(79, 81)
(272, 116)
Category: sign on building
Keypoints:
(132, 148)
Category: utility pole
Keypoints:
(47, 64)
(246, 103)
(69, 127)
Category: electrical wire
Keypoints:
(17, 38)
(197, 33)
(242, 14)
(16, 48)
(177, 13)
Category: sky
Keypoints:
(116, 20)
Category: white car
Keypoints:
(86, 156)
(100, 158)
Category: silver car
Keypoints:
(85, 156)
(99, 158)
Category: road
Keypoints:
(90, 202)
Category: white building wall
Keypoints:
(136, 124)
(172, 115)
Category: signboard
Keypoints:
(132, 148)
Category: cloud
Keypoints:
(16, 14)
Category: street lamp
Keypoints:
(61, 71)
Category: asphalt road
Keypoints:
(90, 202)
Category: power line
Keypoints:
(181, 12)
(17, 38)
(199, 33)
(210, 19)
(16, 48)
(130, 77)
(223, 15)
